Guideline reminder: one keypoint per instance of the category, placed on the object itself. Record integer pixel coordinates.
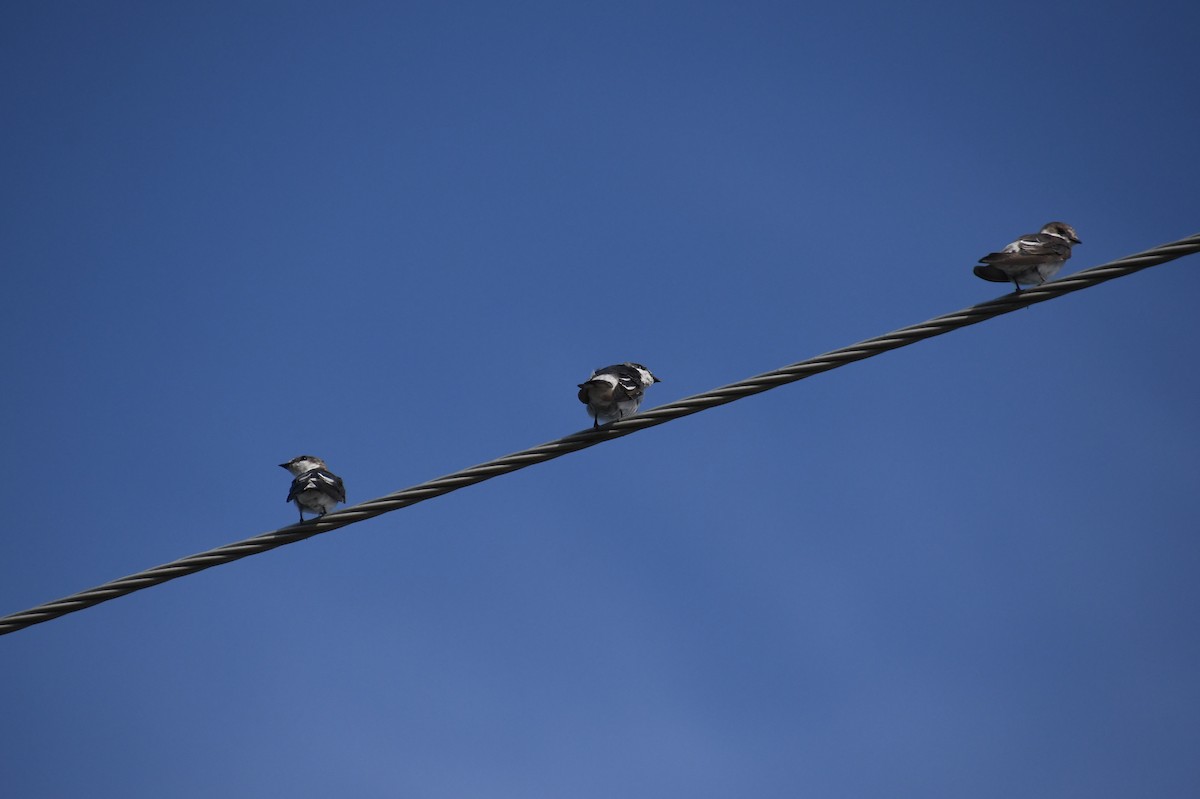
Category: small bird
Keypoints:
(614, 392)
(1032, 259)
(315, 489)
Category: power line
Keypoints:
(588, 438)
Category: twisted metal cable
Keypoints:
(588, 438)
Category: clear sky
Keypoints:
(397, 235)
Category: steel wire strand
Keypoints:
(590, 437)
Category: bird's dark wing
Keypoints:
(627, 389)
(629, 383)
(337, 489)
(321, 480)
(1030, 250)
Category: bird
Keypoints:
(614, 392)
(1032, 259)
(315, 489)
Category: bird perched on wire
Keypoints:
(315, 489)
(615, 392)
(1032, 259)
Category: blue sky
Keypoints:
(397, 235)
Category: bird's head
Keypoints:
(646, 377)
(1063, 231)
(303, 463)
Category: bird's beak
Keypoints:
(656, 380)
(283, 466)
(1075, 240)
